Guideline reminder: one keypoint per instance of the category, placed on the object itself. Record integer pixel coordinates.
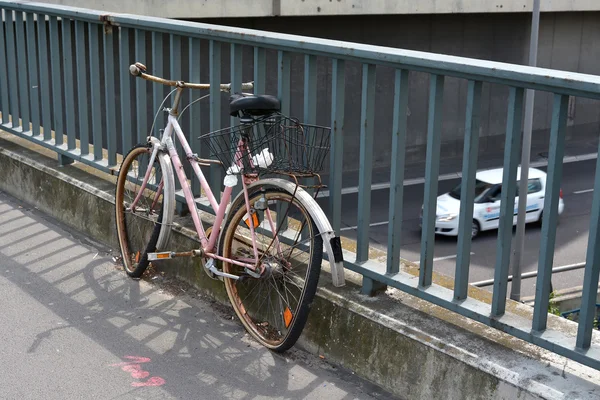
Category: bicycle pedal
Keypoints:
(165, 255)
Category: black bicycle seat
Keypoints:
(255, 105)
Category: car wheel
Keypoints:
(475, 229)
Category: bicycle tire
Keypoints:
(280, 330)
(139, 233)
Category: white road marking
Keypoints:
(349, 228)
(455, 175)
(583, 191)
(443, 258)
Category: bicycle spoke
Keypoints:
(274, 306)
(138, 225)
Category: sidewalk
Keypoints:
(85, 330)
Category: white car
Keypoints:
(486, 213)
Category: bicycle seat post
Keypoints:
(246, 119)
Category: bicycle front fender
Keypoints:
(168, 194)
(331, 242)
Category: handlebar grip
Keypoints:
(137, 69)
(133, 70)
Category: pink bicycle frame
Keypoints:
(208, 244)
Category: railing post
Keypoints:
(432, 172)
(260, 70)
(507, 205)
(550, 213)
(125, 93)
(592, 271)
(175, 73)
(367, 120)
(57, 84)
(215, 110)
(195, 110)
(44, 76)
(22, 67)
(399, 128)
(467, 194)
(11, 58)
(140, 89)
(284, 68)
(69, 84)
(96, 106)
(82, 89)
(367, 131)
(109, 91)
(336, 160)
(158, 91)
(4, 98)
(284, 73)
(32, 63)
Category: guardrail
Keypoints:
(64, 84)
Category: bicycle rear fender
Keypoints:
(330, 240)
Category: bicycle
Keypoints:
(266, 244)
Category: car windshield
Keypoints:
(480, 189)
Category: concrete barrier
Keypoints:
(412, 348)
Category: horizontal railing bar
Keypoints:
(83, 14)
(517, 326)
(562, 82)
(74, 154)
(532, 274)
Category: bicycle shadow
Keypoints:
(180, 341)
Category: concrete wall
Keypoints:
(264, 8)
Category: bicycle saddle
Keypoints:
(255, 105)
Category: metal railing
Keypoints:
(64, 84)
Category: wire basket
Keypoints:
(272, 144)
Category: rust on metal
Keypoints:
(108, 22)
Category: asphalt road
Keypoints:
(72, 326)
(571, 238)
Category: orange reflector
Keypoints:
(163, 255)
(252, 219)
(287, 317)
(137, 257)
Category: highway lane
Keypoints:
(571, 240)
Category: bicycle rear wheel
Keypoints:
(141, 228)
(274, 306)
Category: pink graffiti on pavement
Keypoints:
(134, 368)
(154, 381)
(136, 371)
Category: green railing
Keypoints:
(64, 84)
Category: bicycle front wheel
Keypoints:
(273, 303)
(140, 228)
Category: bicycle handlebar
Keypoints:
(139, 69)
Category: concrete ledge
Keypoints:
(293, 8)
(409, 347)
